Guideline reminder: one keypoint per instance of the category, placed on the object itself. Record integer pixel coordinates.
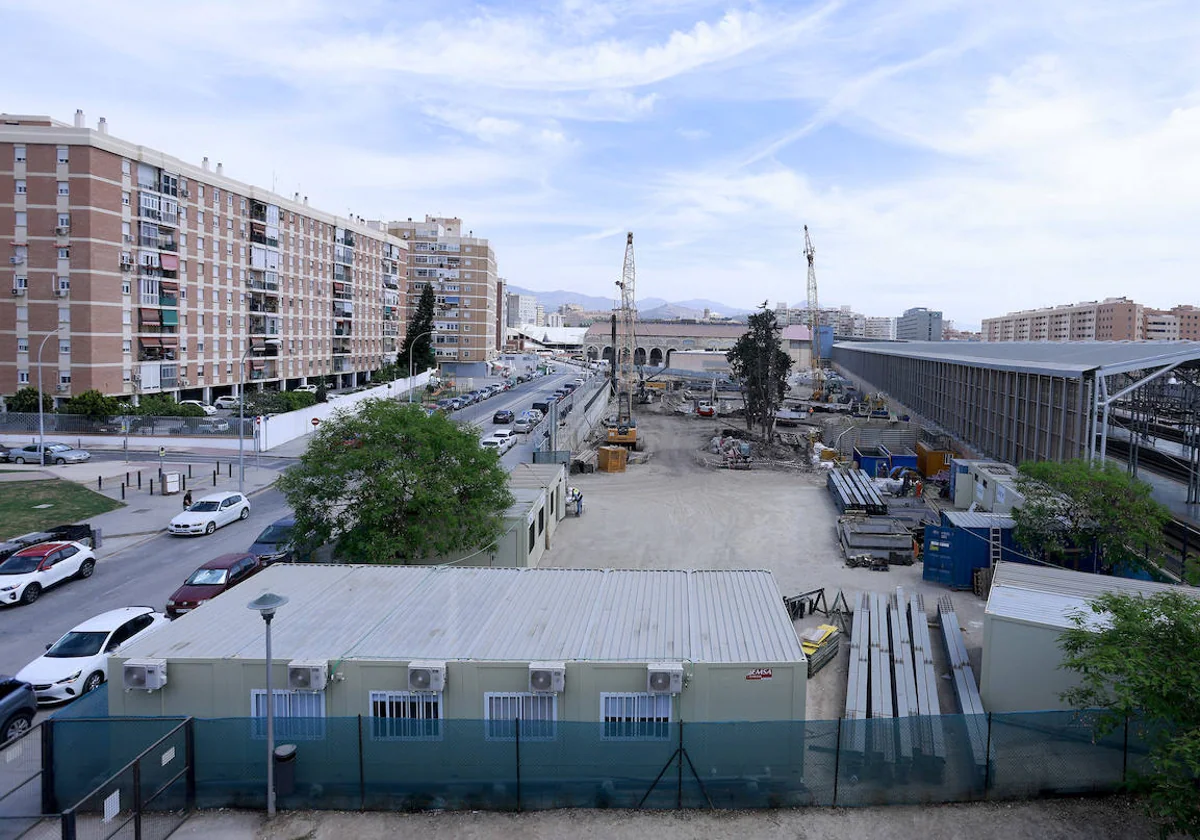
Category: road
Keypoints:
(144, 574)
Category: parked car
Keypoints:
(523, 425)
(308, 389)
(211, 579)
(27, 574)
(18, 705)
(227, 402)
(503, 416)
(536, 415)
(208, 513)
(203, 406)
(202, 426)
(493, 443)
(56, 453)
(706, 409)
(78, 662)
(275, 542)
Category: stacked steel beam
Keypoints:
(965, 687)
(853, 492)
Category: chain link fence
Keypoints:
(68, 428)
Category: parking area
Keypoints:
(673, 513)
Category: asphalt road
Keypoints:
(145, 574)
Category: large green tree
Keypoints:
(164, 405)
(93, 405)
(388, 484)
(418, 343)
(1077, 504)
(1136, 661)
(26, 401)
(761, 365)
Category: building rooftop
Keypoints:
(535, 475)
(552, 335)
(405, 613)
(1053, 358)
(1048, 595)
(603, 331)
(796, 332)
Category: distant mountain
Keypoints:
(695, 308)
(670, 312)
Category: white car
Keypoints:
(308, 389)
(208, 513)
(205, 407)
(78, 662)
(226, 402)
(502, 443)
(31, 571)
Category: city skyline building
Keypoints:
(1112, 319)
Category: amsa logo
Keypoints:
(760, 674)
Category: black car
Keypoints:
(503, 416)
(18, 705)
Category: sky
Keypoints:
(976, 157)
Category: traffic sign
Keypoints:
(258, 420)
(316, 421)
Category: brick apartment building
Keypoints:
(1113, 319)
(138, 273)
(469, 325)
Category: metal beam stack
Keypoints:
(965, 687)
(853, 492)
(931, 737)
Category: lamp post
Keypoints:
(265, 605)
(270, 342)
(411, 356)
(41, 402)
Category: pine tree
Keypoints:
(418, 340)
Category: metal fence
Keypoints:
(64, 427)
(365, 763)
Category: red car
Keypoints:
(210, 580)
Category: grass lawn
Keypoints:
(70, 502)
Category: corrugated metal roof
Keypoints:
(1057, 358)
(535, 475)
(1046, 595)
(974, 519)
(417, 612)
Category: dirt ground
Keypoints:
(672, 513)
(1053, 819)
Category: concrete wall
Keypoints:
(711, 693)
(1020, 671)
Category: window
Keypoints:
(631, 716)
(541, 519)
(299, 715)
(127, 374)
(23, 377)
(125, 289)
(126, 318)
(64, 284)
(64, 154)
(406, 714)
(20, 282)
(125, 199)
(538, 714)
(127, 346)
(64, 314)
(124, 167)
(64, 379)
(64, 188)
(18, 154)
(20, 188)
(22, 219)
(64, 220)
(64, 253)
(22, 345)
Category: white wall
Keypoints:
(1021, 669)
(283, 428)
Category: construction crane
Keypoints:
(814, 321)
(623, 432)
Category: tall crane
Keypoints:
(814, 320)
(624, 431)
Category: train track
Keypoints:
(1152, 459)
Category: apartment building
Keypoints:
(919, 324)
(880, 328)
(462, 270)
(133, 272)
(522, 309)
(1112, 319)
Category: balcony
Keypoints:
(168, 300)
(166, 243)
(341, 347)
(258, 283)
(342, 313)
(264, 326)
(345, 329)
(268, 305)
(258, 212)
(341, 365)
(391, 281)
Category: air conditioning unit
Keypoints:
(16, 260)
(62, 230)
(547, 677)
(17, 291)
(664, 678)
(307, 675)
(426, 676)
(185, 193)
(63, 292)
(144, 674)
(126, 266)
(62, 388)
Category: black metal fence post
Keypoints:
(517, 722)
(99, 482)
(679, 772)
(214, 478)
(152, 487)
(139, 475)
(137, 799)
(68, 826)
(189, 741)
(49, 797)
(987, 758)
(122, 491)
(837, 762)
(189, 470)
(362, 774)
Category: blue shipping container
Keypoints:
(961, 544)
(873, 460)
(901, 458)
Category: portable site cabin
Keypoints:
(963, 542)
(551, 478)
(479, 644)
(1027, 611)
(989, 485)
(522, 542)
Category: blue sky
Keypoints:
(975, 157)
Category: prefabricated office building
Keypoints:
(479, 644)
(1027, 611)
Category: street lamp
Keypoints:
(411, 356)
(41, 400)
(270, 342)
(265, 605)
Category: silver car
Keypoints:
(56, 453)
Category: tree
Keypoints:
(418, 343)
(322, 392)
(1136, 660)
(164, 405)
(390, 485)
(762, 366)
(26, 401)
(278, 402)
(1083, 505)
(93, 405)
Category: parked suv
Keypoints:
(18, 705)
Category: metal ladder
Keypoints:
(995, 554)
